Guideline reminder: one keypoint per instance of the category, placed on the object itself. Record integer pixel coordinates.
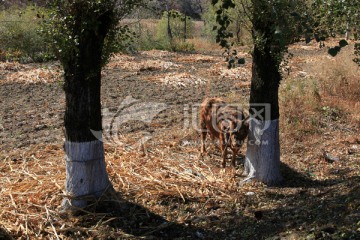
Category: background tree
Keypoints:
(177, 24)
(238, 16)
(275, 25)
(335, 18)
(83, 34)
(273, 29)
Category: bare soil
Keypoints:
(164, 190)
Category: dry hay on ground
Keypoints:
(242, 73)
(13, 66)
(198, 58)
(158, 53)
(177, 79)
(147, 65)
(31, 187)
(311, 47)
(167, 171)
(167, 178)
(121, 58)
(32, 184)
(14, 72)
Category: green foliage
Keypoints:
(210, 25)
(274, 24)
(146, 39)
(19, 35)
(223, 21)
(278, 23)
(232, 59)
(71, 22)
(123, 41)
(336, 16)
(239, 26)
(281, 22)
(162, 39)
(182, 46)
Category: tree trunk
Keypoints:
(262, 160)
(185, 28)
(347, 33)
(168, 22)
(86, 176)
(238, 30)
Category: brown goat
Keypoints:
(224, 122)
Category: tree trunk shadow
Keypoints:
(5, 234)
(292, 178)
(135, 220)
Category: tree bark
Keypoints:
(238, 30)
(262, 160)
(168, 22)
(86, 176)
(185, 22)
(347, 32)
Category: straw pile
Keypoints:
(158, 53)
(181, 80)
(147, 65)
(14, 72)
(199, 58)
(242, 73)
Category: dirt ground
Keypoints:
(167, 191)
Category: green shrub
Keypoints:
(146, 39)
(152, 34)
(208, 30)
(124, 41)
(239, 24)
(19, 35)
(182, 46)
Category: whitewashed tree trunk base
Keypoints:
(86, 176)
(262, 161)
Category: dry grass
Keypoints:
(299, 104)
(165, 191)
(149, 65)
(202, 44)
(15, 72)
(326, 92)
(169, 171)
(167, 178)
(340, 76)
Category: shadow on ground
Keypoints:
(119, 218)
(299, 209)
(4, 234)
